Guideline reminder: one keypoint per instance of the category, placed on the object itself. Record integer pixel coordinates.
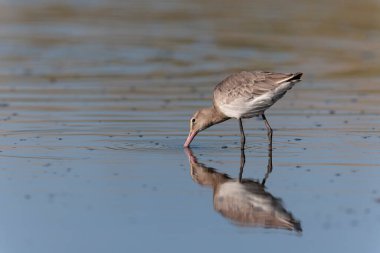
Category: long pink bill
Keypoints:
(190, 139)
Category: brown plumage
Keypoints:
(243, 95)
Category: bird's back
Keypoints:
(246, 94)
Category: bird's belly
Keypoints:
(240, 111)
(240, 108)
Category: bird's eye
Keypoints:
(192, 120)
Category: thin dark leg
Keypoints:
(270, 164)
(242, 136)
(269, 129)
(242, 163)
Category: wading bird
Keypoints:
(243, 95)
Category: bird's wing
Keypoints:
(249, 85)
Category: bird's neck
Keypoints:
(215, 115)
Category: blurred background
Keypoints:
(95, 98)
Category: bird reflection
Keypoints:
(244, 201)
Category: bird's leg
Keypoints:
(242, 136)
(269, 129)
(270, 164)
(242, 163)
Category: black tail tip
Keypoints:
(297, 76)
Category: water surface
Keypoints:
(95, 98)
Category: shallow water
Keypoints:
(95, 99)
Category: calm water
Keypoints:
(95, 98)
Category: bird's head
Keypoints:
(201, 120)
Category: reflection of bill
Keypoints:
(244, 201)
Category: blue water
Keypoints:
(95, 99)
